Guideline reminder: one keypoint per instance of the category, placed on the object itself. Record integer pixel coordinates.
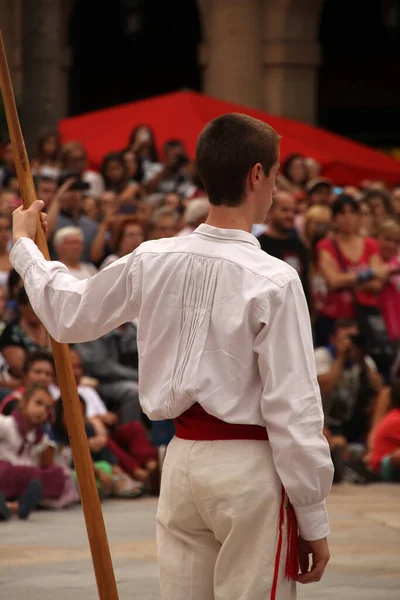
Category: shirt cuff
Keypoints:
(22, 254)
(312, 521)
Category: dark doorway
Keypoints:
(126, 50)
(359, 87)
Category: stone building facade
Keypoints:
(260, 53)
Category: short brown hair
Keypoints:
(227, 148)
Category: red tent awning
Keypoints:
(182, 115)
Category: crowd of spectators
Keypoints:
(344, 242)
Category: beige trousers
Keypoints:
(218, 523)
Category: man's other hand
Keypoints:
(320, 557)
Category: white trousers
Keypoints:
(218, 523)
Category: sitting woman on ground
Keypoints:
(128, 442)
(27, 470)
(111, 479)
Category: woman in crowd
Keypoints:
(366, 219)
(73, 157)
(24, 335)
(294, 174)
(27, 469)
(381, 207)
(116, 179)
(133, 165)
(129, 235)
(351, 266)
(389, 298)
(317, 225)
(142, 142)
(45, 161)
(317, 221)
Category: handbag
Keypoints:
(371, 325)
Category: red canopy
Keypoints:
(182, 115)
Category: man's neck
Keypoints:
(277, 234)
(225, 217)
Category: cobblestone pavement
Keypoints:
(47, 557)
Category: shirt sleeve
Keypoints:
(94, 404)
(323, 361)
(292, 409)
(71, 310)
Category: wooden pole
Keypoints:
(101, 557)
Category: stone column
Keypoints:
(291, 56)
(231, 53)
(10, 20)
(42, 106)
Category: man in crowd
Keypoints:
(164, 223)
(280, 239)
(350, 385)
(66, 211)
(172, 176)
(46, 189)
(113, 361)
(195, 214)
(319, 191)
(68, 244)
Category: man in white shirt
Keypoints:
(225, 349)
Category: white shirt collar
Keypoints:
(228, 235)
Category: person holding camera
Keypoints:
(172, 176)
(350, 384)
(66, 210)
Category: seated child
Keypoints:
(27, 472)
